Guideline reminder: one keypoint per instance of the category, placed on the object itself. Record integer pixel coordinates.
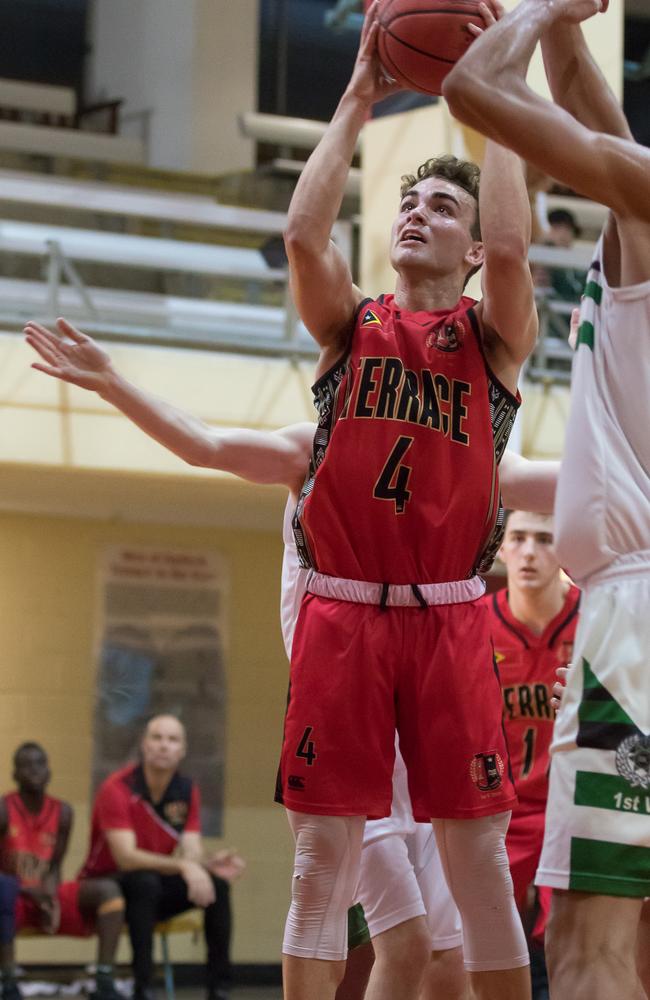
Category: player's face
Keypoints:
(433, 229)
(163, 745)
(562, 235)
(31, 770)
(528, 552)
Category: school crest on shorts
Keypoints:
(633, 760)
(486, 770)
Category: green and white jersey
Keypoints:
(597, 835)
(602, 511)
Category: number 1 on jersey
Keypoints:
(529, 754)
(393, 481)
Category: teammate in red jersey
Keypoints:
(34, 833)
(416, 394)
(533, 625)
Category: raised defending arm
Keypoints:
(577, 83)
(487, 90)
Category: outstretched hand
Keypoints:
(369, 81)
(227, 865)
(69, 355)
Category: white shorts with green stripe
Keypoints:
(597, 836)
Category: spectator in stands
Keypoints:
(563, 284)
(563, 229)
(146, 831)
(34, 834)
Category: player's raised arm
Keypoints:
(258, 456)
(508, 309)
(577, 83)
(321, 281)
(487, 90)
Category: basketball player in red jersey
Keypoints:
(264, 457)
(416, 394)
(533, 622)
(34, 833)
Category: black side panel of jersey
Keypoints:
(503, 410)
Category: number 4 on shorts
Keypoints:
(306, 747)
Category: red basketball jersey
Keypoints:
(527, 663)
(403, 484)
(123, 803)
(27, 849)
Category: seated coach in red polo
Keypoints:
(146, 832)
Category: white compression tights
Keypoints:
(325, 875)
(475, 862)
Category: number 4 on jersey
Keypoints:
(306, 748)
(393, 481)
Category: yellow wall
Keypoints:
(47, 577)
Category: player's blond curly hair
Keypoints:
(464, 173)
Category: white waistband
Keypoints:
(403, 595)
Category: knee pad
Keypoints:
(325, 875)
(9, 889)
(475, 862)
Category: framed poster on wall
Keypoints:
(160, 650)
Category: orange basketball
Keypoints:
(420, 40)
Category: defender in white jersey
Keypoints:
(282, 457)
(597, 846)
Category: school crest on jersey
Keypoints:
(176, 813)
(370, 318)
(448, 337)
(633, 761)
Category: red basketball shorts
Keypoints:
(358, 672)
(524, 845)
(72, 923)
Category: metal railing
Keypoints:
(211, 320)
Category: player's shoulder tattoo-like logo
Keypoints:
(633, 760)
(486, 770)
(447, 337)
(370, 318)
